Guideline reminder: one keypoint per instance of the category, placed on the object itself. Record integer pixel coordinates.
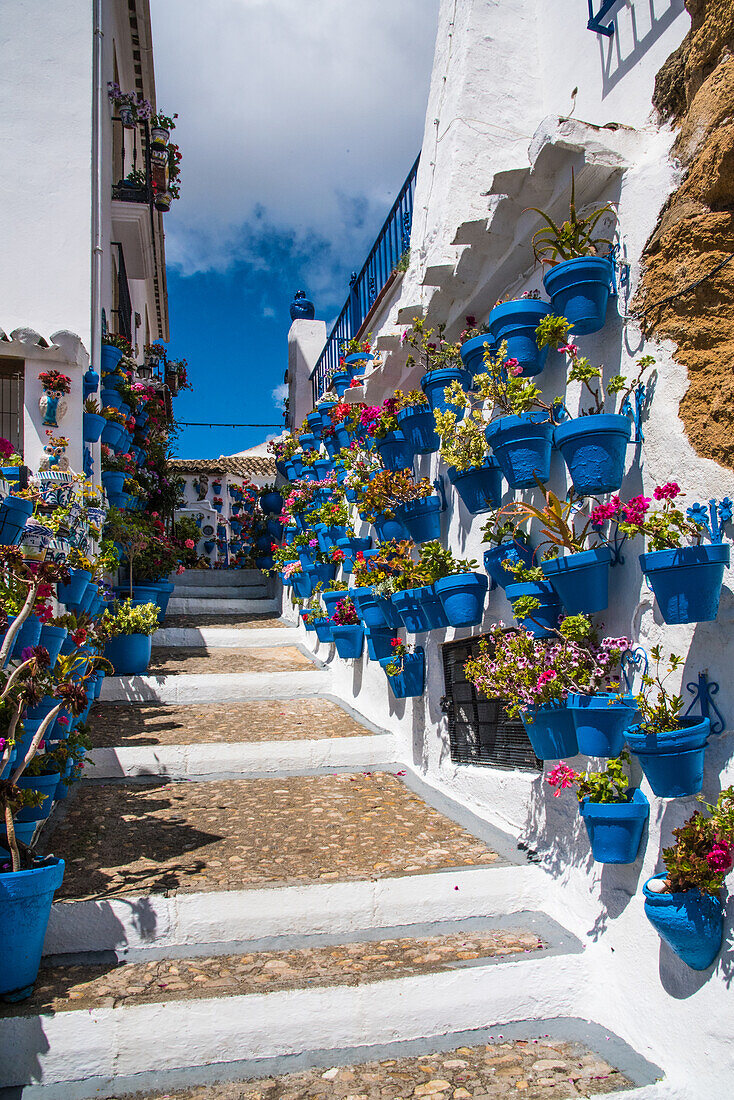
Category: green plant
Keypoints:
(497, 529)
(558, 522)
(502, 385)
(463, 443)
(411, 400)
(128, 618)
(115, 340)
(573, 237)
(400, 651)
(91, 405)
(163, 122)
(432, 350)
(703, 852)
(403, 262)
(609, 786)
(437, 561)
(389, 489)
(659, 709)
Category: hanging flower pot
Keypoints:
(687, 580)
(378, 643)
(272, 503)
(111, 398)
(352, 547)
(480, 487)
(93, 426)
(90, 382)
(579, 290)
(310, 627)
(322, 467)
(129, 654)
(110, 356)
(374, 611)
(516, 323)
(323, 629)
(25, 906)
(601, 723)
(462, 597)
(330, 600)
(673, 760)
(349, 640)
(410, 682)
(14, 514)
(52, 638)
(545, 618)
(419, 428)
(581, 580)
(395, 452)
(550, 732)
(309, 442)
(44, 785)
(522, 446)
(615, 828)
(388, 529)
(71, 593)
(691, 923)
(472, 352)
(409, 606)
(320, 573)
(356, 362)
(340, 382)
(421, 518)
(517, 552)
(113, 481)
(435, 382)
(594, 449)
(313, 419)
(325, 408)
(28, 635)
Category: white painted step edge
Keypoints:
(213, 637)
(202, 760)
(209, 605)
(214, 687)
(182, 1034)
(156, 921)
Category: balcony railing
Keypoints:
(392, 243)
(124, 309)
(140, 188)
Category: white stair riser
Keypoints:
(214, 637)
(210, 605)
(214, 687)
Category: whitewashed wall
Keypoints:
(504, 71)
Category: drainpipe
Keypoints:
(97, 168)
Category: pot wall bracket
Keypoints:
(640, 396)
(703, 690)
(713, 518)
(440, 487)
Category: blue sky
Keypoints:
(298, 122)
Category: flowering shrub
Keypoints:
(345, 613)
(8, 455)
(399, 651)
(54, 381)
(355, 346)
(432, 350)
(703, 853)
(607, 786)
(666, 528)
(128, 618)
(387, 490)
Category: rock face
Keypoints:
(695, 231)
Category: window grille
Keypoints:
(480, 731)
(12, 387)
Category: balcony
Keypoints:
(378, 272)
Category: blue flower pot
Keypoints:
(479, 487)
(11, 473)
(421, 518)
(594, 449)
(340, 382)
(579, 290)
(331, 445)
(129, 654)
(110, 397)
(325, 408)
(472, 353)
(342, 437)
(388, 529)
(272, 503)
(395, 452)
(323, 630)
(691, 923)
(25, 906)
(462, 597)
(349, 640)
(379, 642)
(687, 581)
(672, 761)
(545, 618)
(308, 442)
(322, 468)
(28, 635)
(516, 551)
(434, 384)
(14, 514)
(432, 608)
(109, 357)
(320, 573)
(352, 547)
(374, 611)
(113, 481)
(331, 599)
(358, 361)
(410, 682)
(43, 784)
(93, 425)
(419, 428)
(412, 610)
(550, 732)
(310, 627)
(52, 638)
(91, 383)
(313, 419)
(516, 323)
(601, 725)
(11, 764)
(615, 828)
(522, 446)
(581, 580)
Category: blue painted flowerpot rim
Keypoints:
(414, 410)
(454, 475)
(677, 898)
(537, 420)
(635, 808)
(421, 507)
(600, 701)
(568, 563)
(519, 313)
(530, 588)
(576, 272)
(355, 544)
(392, 437)
(692, 733)
(470, 346)
(18, 505)
(447, 374)
(601, 424)
(708, 553)
(359, 357)
(412, 595)
(462, 580)
(341, 376)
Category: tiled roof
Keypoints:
(258, 465)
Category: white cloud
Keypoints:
(279, 395)
(295, 116)
(268, 312)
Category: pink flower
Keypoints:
(313, 542)
(189, 544)
(513, 366)
(570, 349)
(180, 570)
(62, 720)
(6, 448)
(547, 676)
(635, 509)
(603, 512)
(669, 491)
(561, 777)
(719, 858)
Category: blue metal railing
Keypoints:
(392, 242)
(595, 19)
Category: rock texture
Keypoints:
(695, 231)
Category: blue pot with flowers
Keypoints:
(434, 384)
(515, 323)
(543, 620)
(579, 290)
(395, 452)
(14, 515)
(550, 731)
(522, 445)
(421, 518)
(462, 597)
(406, 672)
(351, 546)
(479, 487)
(419, 429)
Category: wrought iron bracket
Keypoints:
(703, 691)
(632, 661)
(88, 462)
(594, 23)
(713, 518)
(439, 485)
(639, 396)
(616, 548)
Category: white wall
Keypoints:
(501, 67)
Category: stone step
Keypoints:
(205, 661)
(224, 636)
(211, 605)
(215, 687)
(259, 621)
(214, 578)
(259, 591)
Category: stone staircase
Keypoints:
(223, 592)
(257, 890)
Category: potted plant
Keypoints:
(347, 630)
(393, 448)
(15, 511)
(93, 421)
(415, 420)
(580, 575)
(405, 669)
(509, 545)
(350, 546)
(514, 323)
(614, 814)
(522, 438)
(682, 903)
(671, 748)
(475, 475)
(317, 619)
(160, 128)
(12, 461)
(375, 611)
(440, 362)
(270, 500)
(414, 504)
(473, 342)
(114, 346)
(355, 352)
(461, 590)
(378, 497)
(128, 631)
(684, 573)
(130, 106)
(580, 280)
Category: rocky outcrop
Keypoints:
(695, 230)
